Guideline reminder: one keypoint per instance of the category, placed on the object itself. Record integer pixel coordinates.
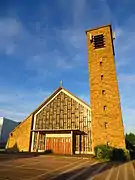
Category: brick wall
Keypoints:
(114, 132)
(19, 138)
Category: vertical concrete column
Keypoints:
(71, 142)
(45, 142)
(79, 143)
(83, 144)
(37, 142)
(32, 142)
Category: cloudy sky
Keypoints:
(44, 42)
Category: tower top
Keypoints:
(108, 25)
(98, 34)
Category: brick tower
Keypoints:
(107, 125)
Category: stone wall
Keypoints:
(107, 125)
(19, 138)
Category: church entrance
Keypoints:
(58, 144)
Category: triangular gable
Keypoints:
(56, 93)
(49, 101)
(50, 98)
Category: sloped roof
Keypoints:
(55, 93)
(47, 100)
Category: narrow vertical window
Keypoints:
(103, 92)
(104, 108)
(101, 60)
(102, 77)
(100, 63)
(106, 125)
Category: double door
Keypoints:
(58, 145)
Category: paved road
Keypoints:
(46, 167)
(105, 171)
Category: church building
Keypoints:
(65, 124)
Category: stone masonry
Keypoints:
(19, 138)
(107, 125)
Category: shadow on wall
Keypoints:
(14, 148)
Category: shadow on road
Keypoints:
(7, 156)
(86, 171)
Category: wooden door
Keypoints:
(59, 145)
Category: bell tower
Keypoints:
(107, 124)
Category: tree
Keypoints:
(131, 138)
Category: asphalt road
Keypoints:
(45, 167)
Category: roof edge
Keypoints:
(77, 98)
(107, 25)
(44, 102)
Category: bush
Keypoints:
(103, 152)
(110, 153)
(120, 154)
(127, 154)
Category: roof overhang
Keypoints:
(59, 131)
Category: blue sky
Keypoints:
(44, 42)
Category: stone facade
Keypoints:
(19, 138)
(107, 125)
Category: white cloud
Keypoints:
(64, 64)
(9, 30)
(12, 114)
(85, 98)
(124, 44)
(128, 119)
(127, 79)
(17, 105)
(9, 27)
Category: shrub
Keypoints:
(127, 154)
(103, 152)
(118, 154)
(111, 153)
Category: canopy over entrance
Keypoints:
(59, 131)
